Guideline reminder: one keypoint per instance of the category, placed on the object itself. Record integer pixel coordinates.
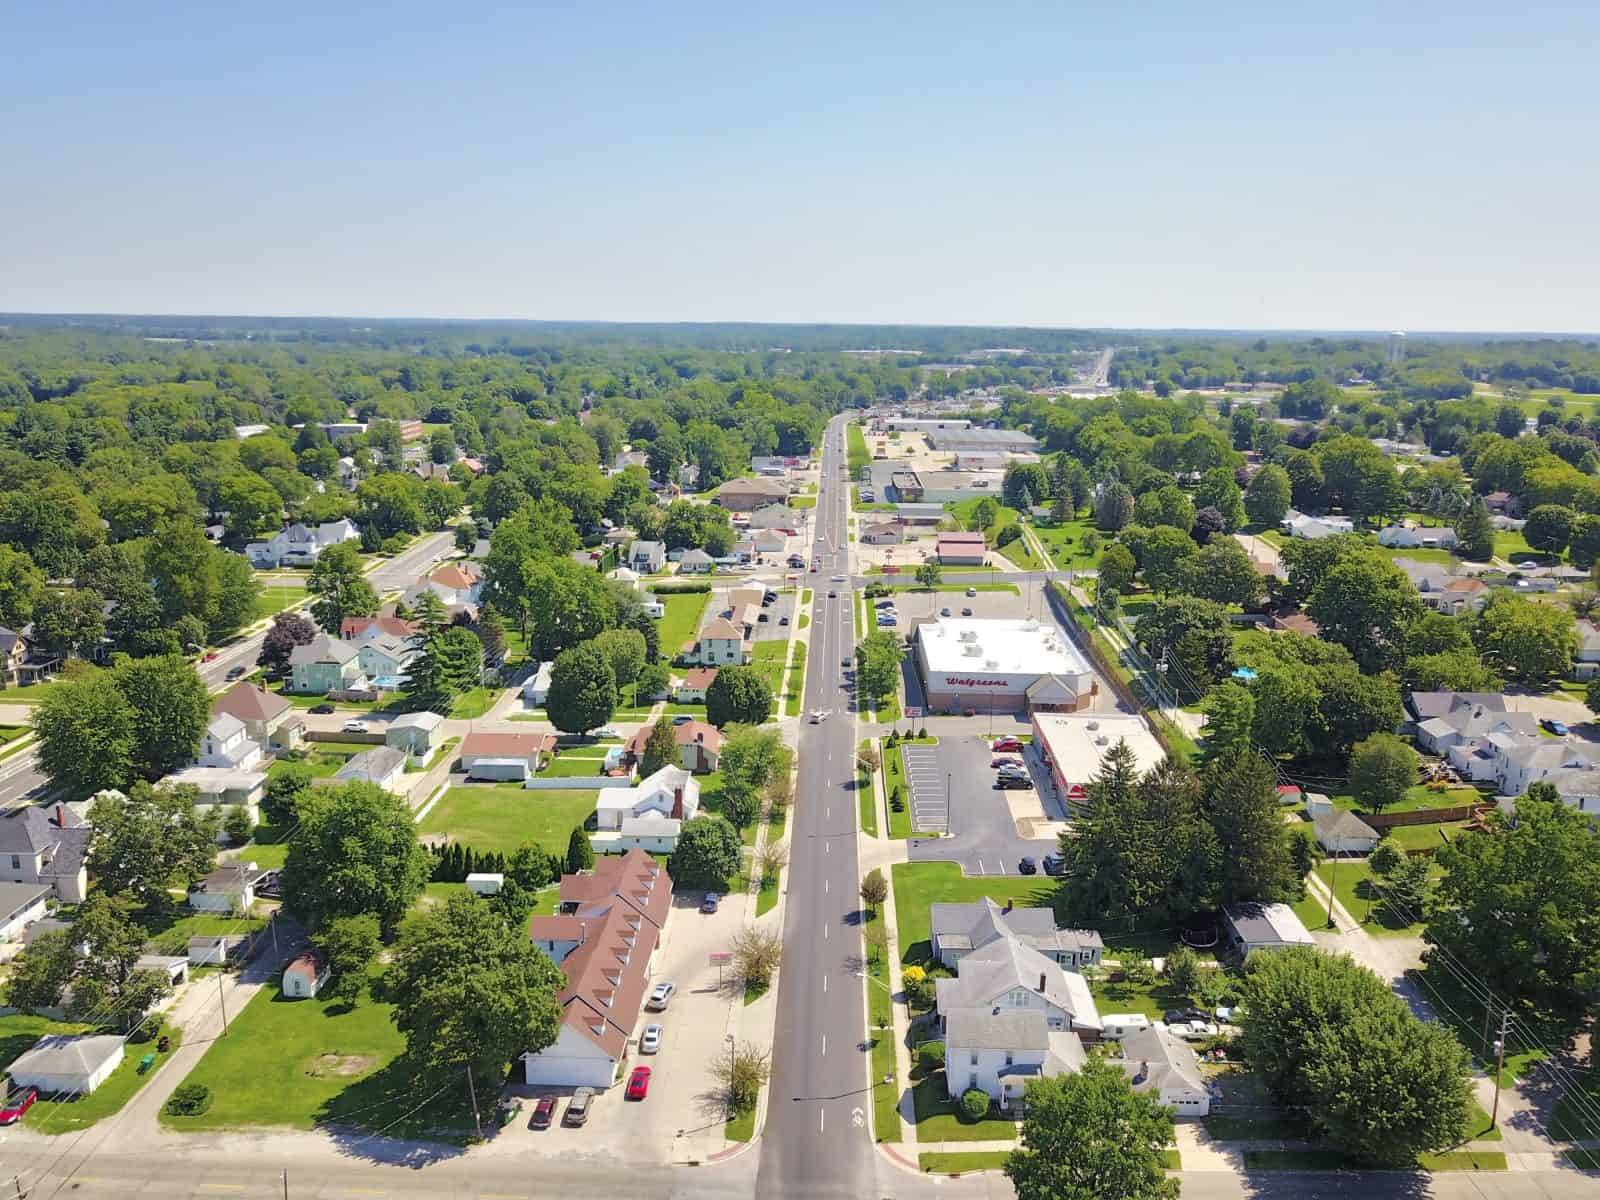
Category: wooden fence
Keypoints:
(1424, 816)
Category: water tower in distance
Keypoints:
(1397, 347)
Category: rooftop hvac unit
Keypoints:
(969, 635)
(1101, 739)
(990, 664)
(1094, 725)
(971, 651)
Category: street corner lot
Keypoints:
(682, 1117)
(979, 818)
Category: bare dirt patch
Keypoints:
(341, 1066)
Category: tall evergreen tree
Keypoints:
(1241, 798)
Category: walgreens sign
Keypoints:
(957, 681)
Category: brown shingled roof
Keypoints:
(507, 745)
(247, 702)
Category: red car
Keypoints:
(210, 656)
(639, 1083)
(16, 1105)
(1006, 743)
(543, 1113)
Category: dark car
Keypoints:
(1054, 864)
(544, 1113)
(709, 904)
(235, 672)
(1003, 781)
(1551, 725)
(321, 709)
(1027, 867)
(1177, 1016)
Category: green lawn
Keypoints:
(1364, 902)
(568, 765)
(170, 932)
(30, 694)
(1065, 543)
(1418, 798)
(856, 453)
(70, 1116)
(274, 600)
(963, 511)
(301, 1063)
(767, 658)
(1510, 545)
(1426, 837)
(1019, 553)
(491, 818)
(938, 1119)
(795, 687)
(323, 758)
(802, 501)
(268, 848)
(1254, 1129)
(1574, 1117)
(9, 733)
(742, 1127)
(681, 624)
(866, 798)
(959, 1162)
(919, 885)
(473, 704)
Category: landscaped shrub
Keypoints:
(974, 1104)
(897, 801)
(931, 1055)
(1008, 535)
(678, 589)
(188, 1100)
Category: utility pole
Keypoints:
(286, 1185)
(1333, 887)
(222, 999)
(1499, 1063)
(473, 1092)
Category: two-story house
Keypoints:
(998, 1050)
(325, 665)
(1586, 663)
(1007, 974)
(647, 557)
(959, 929)
(227, 743)
(46, 846)
(721, 643)
(1521, 761)
(299, 545)
(386, 658)
(458, 585)
(269, 719)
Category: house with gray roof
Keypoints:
(61, 1064)
(998, 1050)
(382, 765)
(959, 929)
(1158, 1062)
(46, 846)
(1252, 926)
(1008, 974)
(1338, 830)
(325, 664)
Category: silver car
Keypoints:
(650, 1043)
(660, 997)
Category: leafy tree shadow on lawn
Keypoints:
(388, 1118)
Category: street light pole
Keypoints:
(1499, 1063)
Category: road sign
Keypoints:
(891, 570)
(912, 711)
(720, 958)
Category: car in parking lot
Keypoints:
(661, 996)
(966, 612)
(783, 620)
(1005, 760)
(639, 1083)
(709, 904)
(1005, 781)
(1005, 743)
(972, 591)
(543, 1113)
(762, 619)
(579, 1107)
(832, 595)
(885, 602)
(944, 612)
(1551, 725)
(235, 672)
(838, 578)
(1026, 866)
(650, 1042)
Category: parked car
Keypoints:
(762, 619)
(661, 996)
(966, 612)
(709, 904)
(832, 595)
(16, 1104)
(846, 663)
(606, 732)
(650, 1043)
(1004, 761)
(321, 710)
(355, 727)
(783, 620)
(543, 1113)
(1054, 865)
(1004, 781)
(884, 603)
(1006, 743)
(838, 578)
(1178, 1016)
(639, 1083)
(972, 591)
(1194, 1030)
(944, 612)
(209, 656)
(682, 719)
(578, 1107)
(1559, 728)
(1027, 867)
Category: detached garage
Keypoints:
(578, 1059)
(60, 1063)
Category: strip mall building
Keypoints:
(1003, 666)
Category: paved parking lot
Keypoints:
(930, 805)
(772, 627)
(680, 1118)
(983, 835)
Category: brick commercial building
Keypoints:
(993, 664)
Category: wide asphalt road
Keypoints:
(816, 1141)
(21, 780)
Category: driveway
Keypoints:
(983, 835)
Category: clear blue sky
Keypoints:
(1408, 165)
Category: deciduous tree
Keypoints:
(1382, 768)
(707, 854)
(739, 695)
(340, 587)
(350, 945)
(150, 841)
(356, 853)
(583, 691)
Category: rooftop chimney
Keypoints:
(61, 815)
(677, 803)
(1041, 981)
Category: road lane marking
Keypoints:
(824, 887)
(824, 1045)
(824, 985)
(822, 1119)
(824, 933)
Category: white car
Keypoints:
(356, 727)
(1193, 1031)
(818, 715)
(838, 579)
(650, 1043)
(660, 997)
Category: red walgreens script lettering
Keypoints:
(955, 681)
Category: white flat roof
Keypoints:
(1077, 742)
(998, 647)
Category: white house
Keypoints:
(386, 656)
(1586, 663)
(456, 584)
(229, 889)
(227, 743)
(21, 904)
(299, 545)
(647, 558)
(959, 929)
(485, 883)
(60, 1063)
(1463, 733)
(1252, 927)
(414, 733)
(1010, 975)
(721, 642)
(1521, 761)
(1411, 536)
(772, 516)
(536, 691)
(46, 846)
(1579, 790)
(998, 1050)
(696, 562)
(1298, 524)
(225, 788)
(672, 793)
(382, 765)
(1157, 1061)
